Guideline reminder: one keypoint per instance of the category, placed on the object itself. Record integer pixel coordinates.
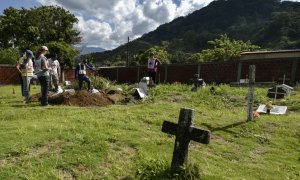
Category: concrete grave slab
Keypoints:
(277, 110)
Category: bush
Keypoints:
(9, 56)
(100, 82)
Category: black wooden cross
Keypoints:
(184, 132)
(197, 82)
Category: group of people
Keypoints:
(46, 71)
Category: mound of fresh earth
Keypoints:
(84, 98)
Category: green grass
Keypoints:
(126, 142)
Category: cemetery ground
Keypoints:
(125, 141)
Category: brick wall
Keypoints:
(180, 73)
(267, 71)
(69, 74)
(9, 75)
(223, 72)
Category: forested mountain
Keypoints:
(270, 24)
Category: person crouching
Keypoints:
(81, 75)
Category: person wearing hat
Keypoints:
(80, 73)
(153, 65)
(25, 67)
(42, 71)
(54, 73)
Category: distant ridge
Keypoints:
(271, 24)
(88, 50)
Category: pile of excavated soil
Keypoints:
(83, 98)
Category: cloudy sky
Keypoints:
(108, 23)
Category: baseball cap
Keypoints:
(44, 48)
(151, 54)
(29, 54)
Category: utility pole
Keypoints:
(127, 53)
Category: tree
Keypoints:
(160, 53)
(283, 31)
(226, 49)
(65, 52)
(25, 29)
(179, 57)
(195, 58)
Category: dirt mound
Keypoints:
(83, 98)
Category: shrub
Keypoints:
(9, 56)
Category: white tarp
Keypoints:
(60, 90)
(70, 90)
(275, 110)
(94, 91)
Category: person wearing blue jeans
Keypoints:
(83, 77)
(80, 73)
(25, 67)
(44, 82)
(42, 71)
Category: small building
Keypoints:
(281, 67)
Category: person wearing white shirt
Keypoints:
(54, 72)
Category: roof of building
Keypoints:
(271, 54)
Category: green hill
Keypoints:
(271, 24)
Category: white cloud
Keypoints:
(187, 8)
(108, 23)
(159, 11)
(94, 32)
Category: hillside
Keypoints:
(87, 50)
(270, 24)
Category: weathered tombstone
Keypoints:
(251, 92)
(142, 91)
(197, 83)
(184, 132)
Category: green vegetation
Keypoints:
(226, 49)
(126, 142)
(9, 56)
(269, 24)
(52, 26)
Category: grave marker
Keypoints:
(251, 92)
(197, 82)
(184, 132)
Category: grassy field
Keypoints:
(126, 142)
